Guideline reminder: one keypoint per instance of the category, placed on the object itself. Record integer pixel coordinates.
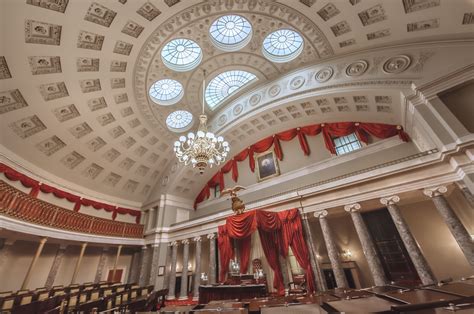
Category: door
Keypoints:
(394, 257)
(117, 277)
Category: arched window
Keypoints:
(225, 84)
(230, 32)
(181, 55)
(282, 45)
(166, 92)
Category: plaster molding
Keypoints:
(185, 241)
(321, 214)
(211, 236)
(197, 239)
(435, 191)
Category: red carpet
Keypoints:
(177, 302)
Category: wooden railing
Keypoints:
(14, 203)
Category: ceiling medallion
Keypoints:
(274, 90)
(324, 74)
(396, 64)
(238, 109)
(357, 68)
(203, 148)
(297, 82)
(222, 119)
(254, 99)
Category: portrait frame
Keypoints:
(161, 270)
(266, 171)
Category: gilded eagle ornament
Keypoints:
(238, 205)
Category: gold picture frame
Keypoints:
(266, 165)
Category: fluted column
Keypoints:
(101, 265)
(166, 277)
(33, 263)
(452, 221)
(367, 244)
(183, 294)
(313, 253)
(333, 254)
(142, 281)
(197, 268)
(421, 265)
(155, 254)
(53, 271)
(212, 258)
(134, 268)
(172, 285)
(78, 263)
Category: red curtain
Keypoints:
(14, 175)
(329, 131)
(278, 232)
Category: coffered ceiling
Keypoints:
(74, 78)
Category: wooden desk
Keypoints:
(227, 292)
(372, 304)
(294, 309)
(458, 288)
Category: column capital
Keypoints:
(435, 191)
(174, 243)
(197, 239)
(352, 208)
(211, 236)
(321, 214)
(43, 240)
(390, 200)
(304, 216)
(144, 248)
(185, 241)
(155, 245)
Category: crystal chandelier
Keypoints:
(203, 148)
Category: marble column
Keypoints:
(313, 255)
(78, 263)
(284, 271)
(155, 254)
(414, 251)
(166, 277)
(151, 218)
(142, 280)
(183, 295)
(172, 285)
(6, 251)
(452, 221)
(368, 246)
(341, 280)
(134, 268)
(114, 270)
(55, 266)
(101, 265)
(212, 258)
(33, 263)
(197, 268)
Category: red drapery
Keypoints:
(36, 186)
(278, 232)
(329, 131)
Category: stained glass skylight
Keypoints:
(224, 84)
(166, 92)
(181, 54)
(282, 45)
(179, 121)
(230, 32)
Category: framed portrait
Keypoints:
(267, 165)
(161, 271)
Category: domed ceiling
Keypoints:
(75, 76)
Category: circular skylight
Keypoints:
(179, 121)
(225, 84)
(282, 45)
(181, 54)
(166, 92)
(230, 32)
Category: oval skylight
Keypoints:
(166, 92)
(181, 54)
(230, 32)
(179, 121)
(282, 45)
(224, 84)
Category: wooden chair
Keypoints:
(5, 293)
(6, 303)
(95, 295)
(42, 295)
(25, 298)
(298, 286)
